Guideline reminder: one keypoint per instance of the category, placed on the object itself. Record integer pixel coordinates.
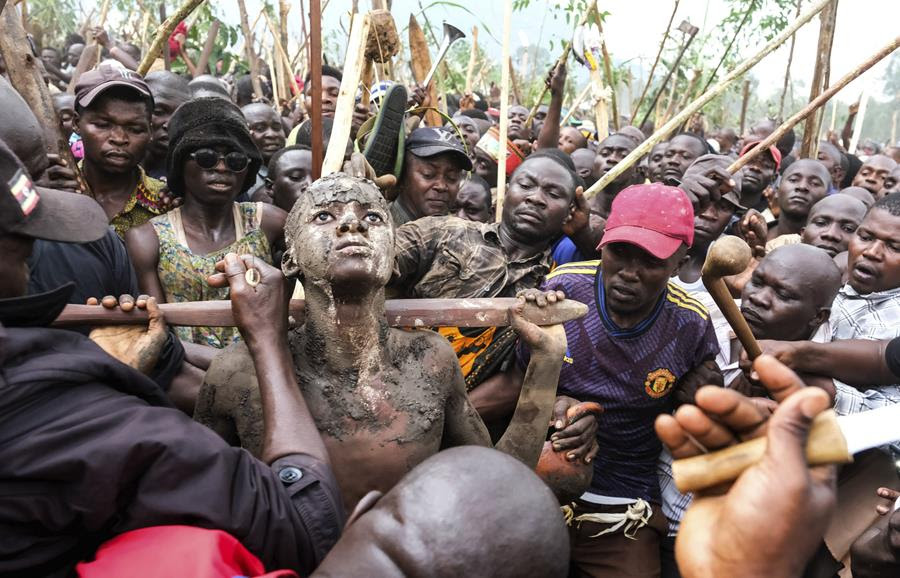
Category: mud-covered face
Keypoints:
(340, 234)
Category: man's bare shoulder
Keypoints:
(427, 351)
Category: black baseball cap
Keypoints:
(41, 213)
(432, 141)
(95, 82)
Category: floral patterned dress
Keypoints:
(183, 273)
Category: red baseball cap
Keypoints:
(776, 154)
(655, 217)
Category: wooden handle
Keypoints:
(719, 292)
(826, 445)
(399, 313)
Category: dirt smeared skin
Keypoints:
(383, 399)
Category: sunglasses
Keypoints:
(208, 159)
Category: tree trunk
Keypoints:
(26, 76)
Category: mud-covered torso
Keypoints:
(378, 422)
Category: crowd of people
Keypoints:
(337, 444)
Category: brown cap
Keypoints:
(93, 83)
(45, 213)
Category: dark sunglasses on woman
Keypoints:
(208, 159)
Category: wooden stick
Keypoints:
(729, 256)
(815, 104)
(601, 115)
(167, 52)
(730, 44)
(315, 88)
(745, 100)
(420, 64)
(90, 54)
(473, 56)
(346, 100)
(607, 70)
(286, 63)
(26, 77)
(514, 82)
(275, 72)
(659, 52)
(163, 32)
(576, 103)
(787, 69)
(663, 131)
(669, 74)
(504, 108)
(399, 313)
(252, 60)
(820, 80)
(208, 45)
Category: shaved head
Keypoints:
(790, 293)
(467, 511)
(861, 194)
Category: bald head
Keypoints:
(584, 165)
(790, 293)
(860, 194)
(467, 511)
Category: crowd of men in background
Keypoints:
(199, 189)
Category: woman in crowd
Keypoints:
(211, 160)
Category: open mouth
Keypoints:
(864, 273)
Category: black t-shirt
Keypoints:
(892, 356)
(99, 268)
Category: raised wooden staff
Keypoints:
(504, 108)
(252, 60)
(163, 32)
(315, 84)
(346, 100)
(701, 101)
(90, 54)
(814, 105)
(810, 143)
(399, 313)
(208, 45)
(26, 76)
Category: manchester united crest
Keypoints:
(659, 382)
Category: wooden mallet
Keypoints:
(729, 256)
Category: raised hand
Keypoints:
(772, 519)
(260, 309)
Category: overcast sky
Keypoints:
(634, 29)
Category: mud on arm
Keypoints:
(524, 438)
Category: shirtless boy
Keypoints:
(384, 399)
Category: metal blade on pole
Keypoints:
(871, 429)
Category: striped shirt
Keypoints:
(630, 372)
